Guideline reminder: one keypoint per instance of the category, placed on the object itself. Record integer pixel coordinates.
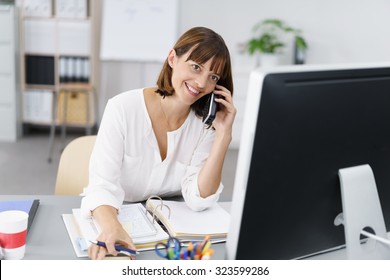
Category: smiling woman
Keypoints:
(152, 141)
(198, 46)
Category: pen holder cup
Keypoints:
(193, 251)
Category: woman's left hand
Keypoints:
(223, 121)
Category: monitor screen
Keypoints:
(301, 125)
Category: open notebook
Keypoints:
(187, 224)
(133, 217)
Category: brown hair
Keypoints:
(205, 45)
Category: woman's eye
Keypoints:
(215, 78)
(195, 66)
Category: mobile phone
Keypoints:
(210, 110)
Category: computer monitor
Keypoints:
(301, 125)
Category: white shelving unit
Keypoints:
(10, 126)
(53, 32)
(59, 63)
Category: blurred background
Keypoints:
(60, 61)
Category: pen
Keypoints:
(194, 251)
(206, 247)
(188, 252)
(118, 248)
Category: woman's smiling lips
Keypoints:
(192, 90)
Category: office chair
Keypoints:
(72, 175)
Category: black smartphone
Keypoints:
(209, 110)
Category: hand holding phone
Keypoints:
(210, 110)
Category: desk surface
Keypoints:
(48, 238)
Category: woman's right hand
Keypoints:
(112, 233)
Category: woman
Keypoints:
(152, 141)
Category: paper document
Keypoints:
(134, 219)
(185, 223)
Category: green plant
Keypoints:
(269, 37)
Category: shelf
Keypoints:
(76, 86)
(59, 42)
(60, 87)
(66, 33)
(51, 18)
(59, 124)
(39, 87)
(54, 18)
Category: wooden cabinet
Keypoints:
(59, 62)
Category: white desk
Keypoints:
(48, 238)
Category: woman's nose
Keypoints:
(201, 81)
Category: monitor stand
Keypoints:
(362, 214)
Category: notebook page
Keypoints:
(213, 220)
(134, 220)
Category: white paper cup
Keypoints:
(13, 232)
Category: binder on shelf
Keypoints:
(39, 70)
(37, 106)
(64, 9)
(70, 69)
(188, 225)
(29, 206)
(71, 9)
(78, 69)
(85, 74)
(37, 8)
(74, 37)
(40, 36)
(134, 219)
(73, 69)
(63, 71)
(81, 9)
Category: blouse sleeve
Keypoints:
(104, 186)
(189, 183)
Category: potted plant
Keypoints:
(269, 40)
(300, 48)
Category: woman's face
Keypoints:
(190, 79)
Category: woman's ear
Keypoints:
(171, 57)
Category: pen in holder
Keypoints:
(172, 250)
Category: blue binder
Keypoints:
(28, 206)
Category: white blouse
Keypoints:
(126, 162)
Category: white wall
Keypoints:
(337, 31)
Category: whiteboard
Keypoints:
(138, 30)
